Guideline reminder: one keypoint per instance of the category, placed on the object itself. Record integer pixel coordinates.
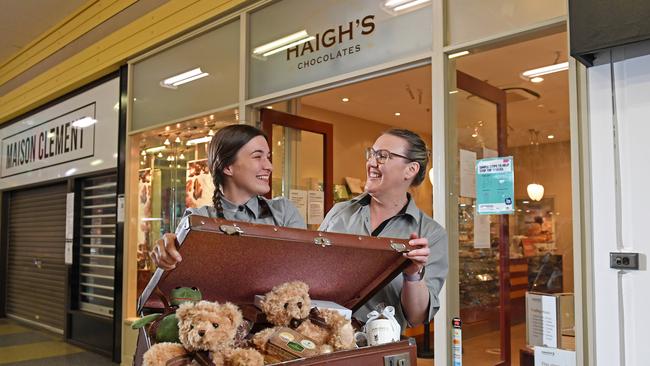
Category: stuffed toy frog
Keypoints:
(167, 322)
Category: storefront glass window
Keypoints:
(471, 20)
(188, 79)
(172, 175)
(295, 42)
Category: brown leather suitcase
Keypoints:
(234, 261)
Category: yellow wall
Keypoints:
(554, 173)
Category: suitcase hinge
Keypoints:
(322, 241)
(231, 229)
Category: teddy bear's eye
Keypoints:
(286, 305)
(191, 326)
(299, 305)
(216, 325)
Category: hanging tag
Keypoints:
(456, 342)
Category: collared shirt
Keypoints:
(260, 210)
(353, 217)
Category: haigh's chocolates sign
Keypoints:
(342, 35)
(62, 139)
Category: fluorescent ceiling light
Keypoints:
(399, 5)
(283, 43)
(152, 150)
(458, 54)
(545, 70)
(84, 122)
(200, 140)
(182, 78)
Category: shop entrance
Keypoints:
(502, 258)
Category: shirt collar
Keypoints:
(253, 206)
(411, 208)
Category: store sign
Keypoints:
(59, 140)
(495, 186)
(75, 136)
(324, 39)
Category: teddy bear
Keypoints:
(207, 332)
(289, 305)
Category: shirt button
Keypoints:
(241, 208)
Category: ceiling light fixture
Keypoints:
(534, 189)
(84, 122)
(537, 79)
(398, 114)
(182, 78)
(178, 140)
(152, 150)
(166, 142)
(345, 100)
(550, 137)
(545, 70)
(200, 140)
(283, 43)
(399, 5)
(458, 54)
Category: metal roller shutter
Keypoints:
(36, 285)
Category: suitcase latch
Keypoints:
(231, 229)
(322, 241)
(399, 247)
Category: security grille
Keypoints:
(97, 244)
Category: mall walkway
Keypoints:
(25, 346)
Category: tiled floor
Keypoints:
(22, 345)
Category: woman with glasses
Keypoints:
(239, 161)
(396, 162)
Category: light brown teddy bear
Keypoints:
(289, 305)
(207, 331)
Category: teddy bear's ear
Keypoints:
(232, 312)
(301, 286)
(184, 310)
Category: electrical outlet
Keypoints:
(618, 260)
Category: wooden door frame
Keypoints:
(269, 117)
(497, 96)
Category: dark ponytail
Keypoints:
(417, 151)
(222, 152)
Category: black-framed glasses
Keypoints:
(382, 155)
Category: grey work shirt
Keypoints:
(260, 210)
(353, 217)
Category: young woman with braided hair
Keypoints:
(239, 161)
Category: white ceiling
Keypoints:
(378, 99)
(22, 21)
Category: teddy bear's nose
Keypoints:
(201, 333)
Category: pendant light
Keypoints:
(534, 189)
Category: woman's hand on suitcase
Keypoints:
(164, 254)
(419, 254)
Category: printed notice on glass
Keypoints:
(299, 199)
(316, 208)
(495, 186)
(467, 176)
(541, 320)
(481, 231)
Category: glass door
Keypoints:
(302, 154)
(484, 286)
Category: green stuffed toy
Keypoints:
(167, 330)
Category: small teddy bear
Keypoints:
(207, 331)
(289, 305)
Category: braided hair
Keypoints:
(222, 152)
(417, 151)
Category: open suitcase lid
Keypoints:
(234, 261)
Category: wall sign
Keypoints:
(75, 136)
(64, 138)
(495, 186)
(294, 42)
